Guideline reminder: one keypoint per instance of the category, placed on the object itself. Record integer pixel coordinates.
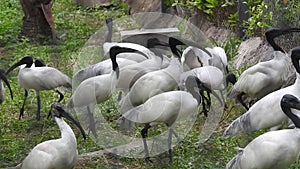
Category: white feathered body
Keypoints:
(211, 76)
(164, 108)
(42, 78)
(100, 68)
(193, 57)
(265, 113)
(129, 74)
(59, 154)
(263, 78)
(95, 90)
(272, 150)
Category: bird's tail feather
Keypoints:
(241, 125)
(235, 163)
(232, 93)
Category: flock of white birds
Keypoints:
(180, 82)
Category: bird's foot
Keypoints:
(205, 112)
(147, 159)
(38, 117)
(21, 113)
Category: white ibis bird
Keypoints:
(264, 77)
(275, 149)
(211, 77)
(266, 112)
(162, 80)
(218, 59)
(193, 57)
(164, 108)
(38, 79)
(59, 153)
(2, 89)
(98, 89)
(39, 62)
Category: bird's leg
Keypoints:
(120, 96)
(92, 126)
(175, 134)
(144, 134)
(170, 144)
(208, 99)
(204, 110)
(38, 113)
(61, 96)
(223, 100)
(240, 99)
(23, 105)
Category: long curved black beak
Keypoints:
(174, 41)
(217, 97)
(295, 56)
(275, 32)
(3, 77)
(153, 42)
(64, 113)
(25, 60)
(272, 33)
(203, 87)
(68, 116)
(115, 50)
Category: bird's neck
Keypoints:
(114, 78)
(295, 119)
(156, 59)
(175, 62)
(280, 55)
(193, 61)
(297, 82)
(175, 68)
(67, 133)
(275, 46)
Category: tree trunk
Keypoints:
(38, 23)
(242, 16)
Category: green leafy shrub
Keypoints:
(10, 20)
(259, 17)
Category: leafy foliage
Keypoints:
(259, 17)
(10, 24)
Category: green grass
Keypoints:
(77, 24)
